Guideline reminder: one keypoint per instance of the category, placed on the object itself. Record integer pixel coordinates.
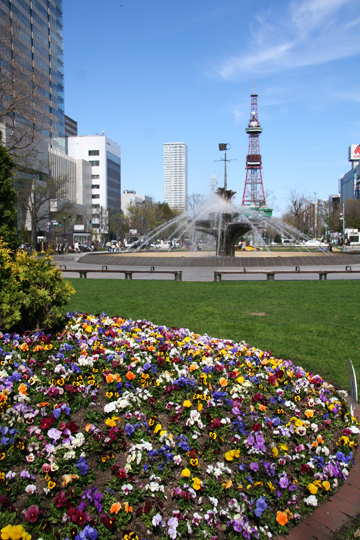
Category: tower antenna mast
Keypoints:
(254, 194)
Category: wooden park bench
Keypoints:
(270, 274)
(128, 273)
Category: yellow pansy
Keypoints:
(111, 422)
(312, 488)
(157, 428)
(14, 533)
(186, 473)
(275, 452)
(197, 483)
(231, 454)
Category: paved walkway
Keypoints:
(201, 267)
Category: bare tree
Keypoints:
(23, 113)
(35, 192)
(295, 212)
(195, 200)
(352, 213)
(149, 216)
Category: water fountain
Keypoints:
(223, 225)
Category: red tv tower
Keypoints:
(254, 190)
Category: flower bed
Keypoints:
(119, 429)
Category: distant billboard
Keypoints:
(354, 152)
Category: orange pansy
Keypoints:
(22, 389)
(116, 507)
(281, 518)
(127, 507)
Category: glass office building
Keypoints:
(32, 44)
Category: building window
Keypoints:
(93, 152)
(95, 196)
(95, 176)
(95, 186)
(94, 163)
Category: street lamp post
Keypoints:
(224, 147)
(117, 228)
(64, 220)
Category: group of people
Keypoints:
(64, 247)
(114, 247)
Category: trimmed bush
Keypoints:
(32, 292)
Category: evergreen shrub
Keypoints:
(32, 292)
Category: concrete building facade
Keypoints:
(176, 175)
(130, 198)
(104, 157)
(77, 176)
(349, 183)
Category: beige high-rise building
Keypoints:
(176, 175)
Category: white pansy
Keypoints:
(311, 501)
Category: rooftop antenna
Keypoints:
(254, 81)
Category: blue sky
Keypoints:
(153, 71)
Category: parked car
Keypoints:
(164, 245)
(315, 243)
(134, 245)
(25, 247)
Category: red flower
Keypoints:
(60, 500)
(109, 523)
(304, 469)
(46, 422)
(32, 513)
(72, 427)
(256, 427)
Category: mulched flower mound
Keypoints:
(120, 429)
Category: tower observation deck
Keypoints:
(254, 194)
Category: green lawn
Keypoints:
(314, 323)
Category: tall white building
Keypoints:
(105, 160)
(176, 175)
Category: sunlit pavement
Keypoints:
(201, 266)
